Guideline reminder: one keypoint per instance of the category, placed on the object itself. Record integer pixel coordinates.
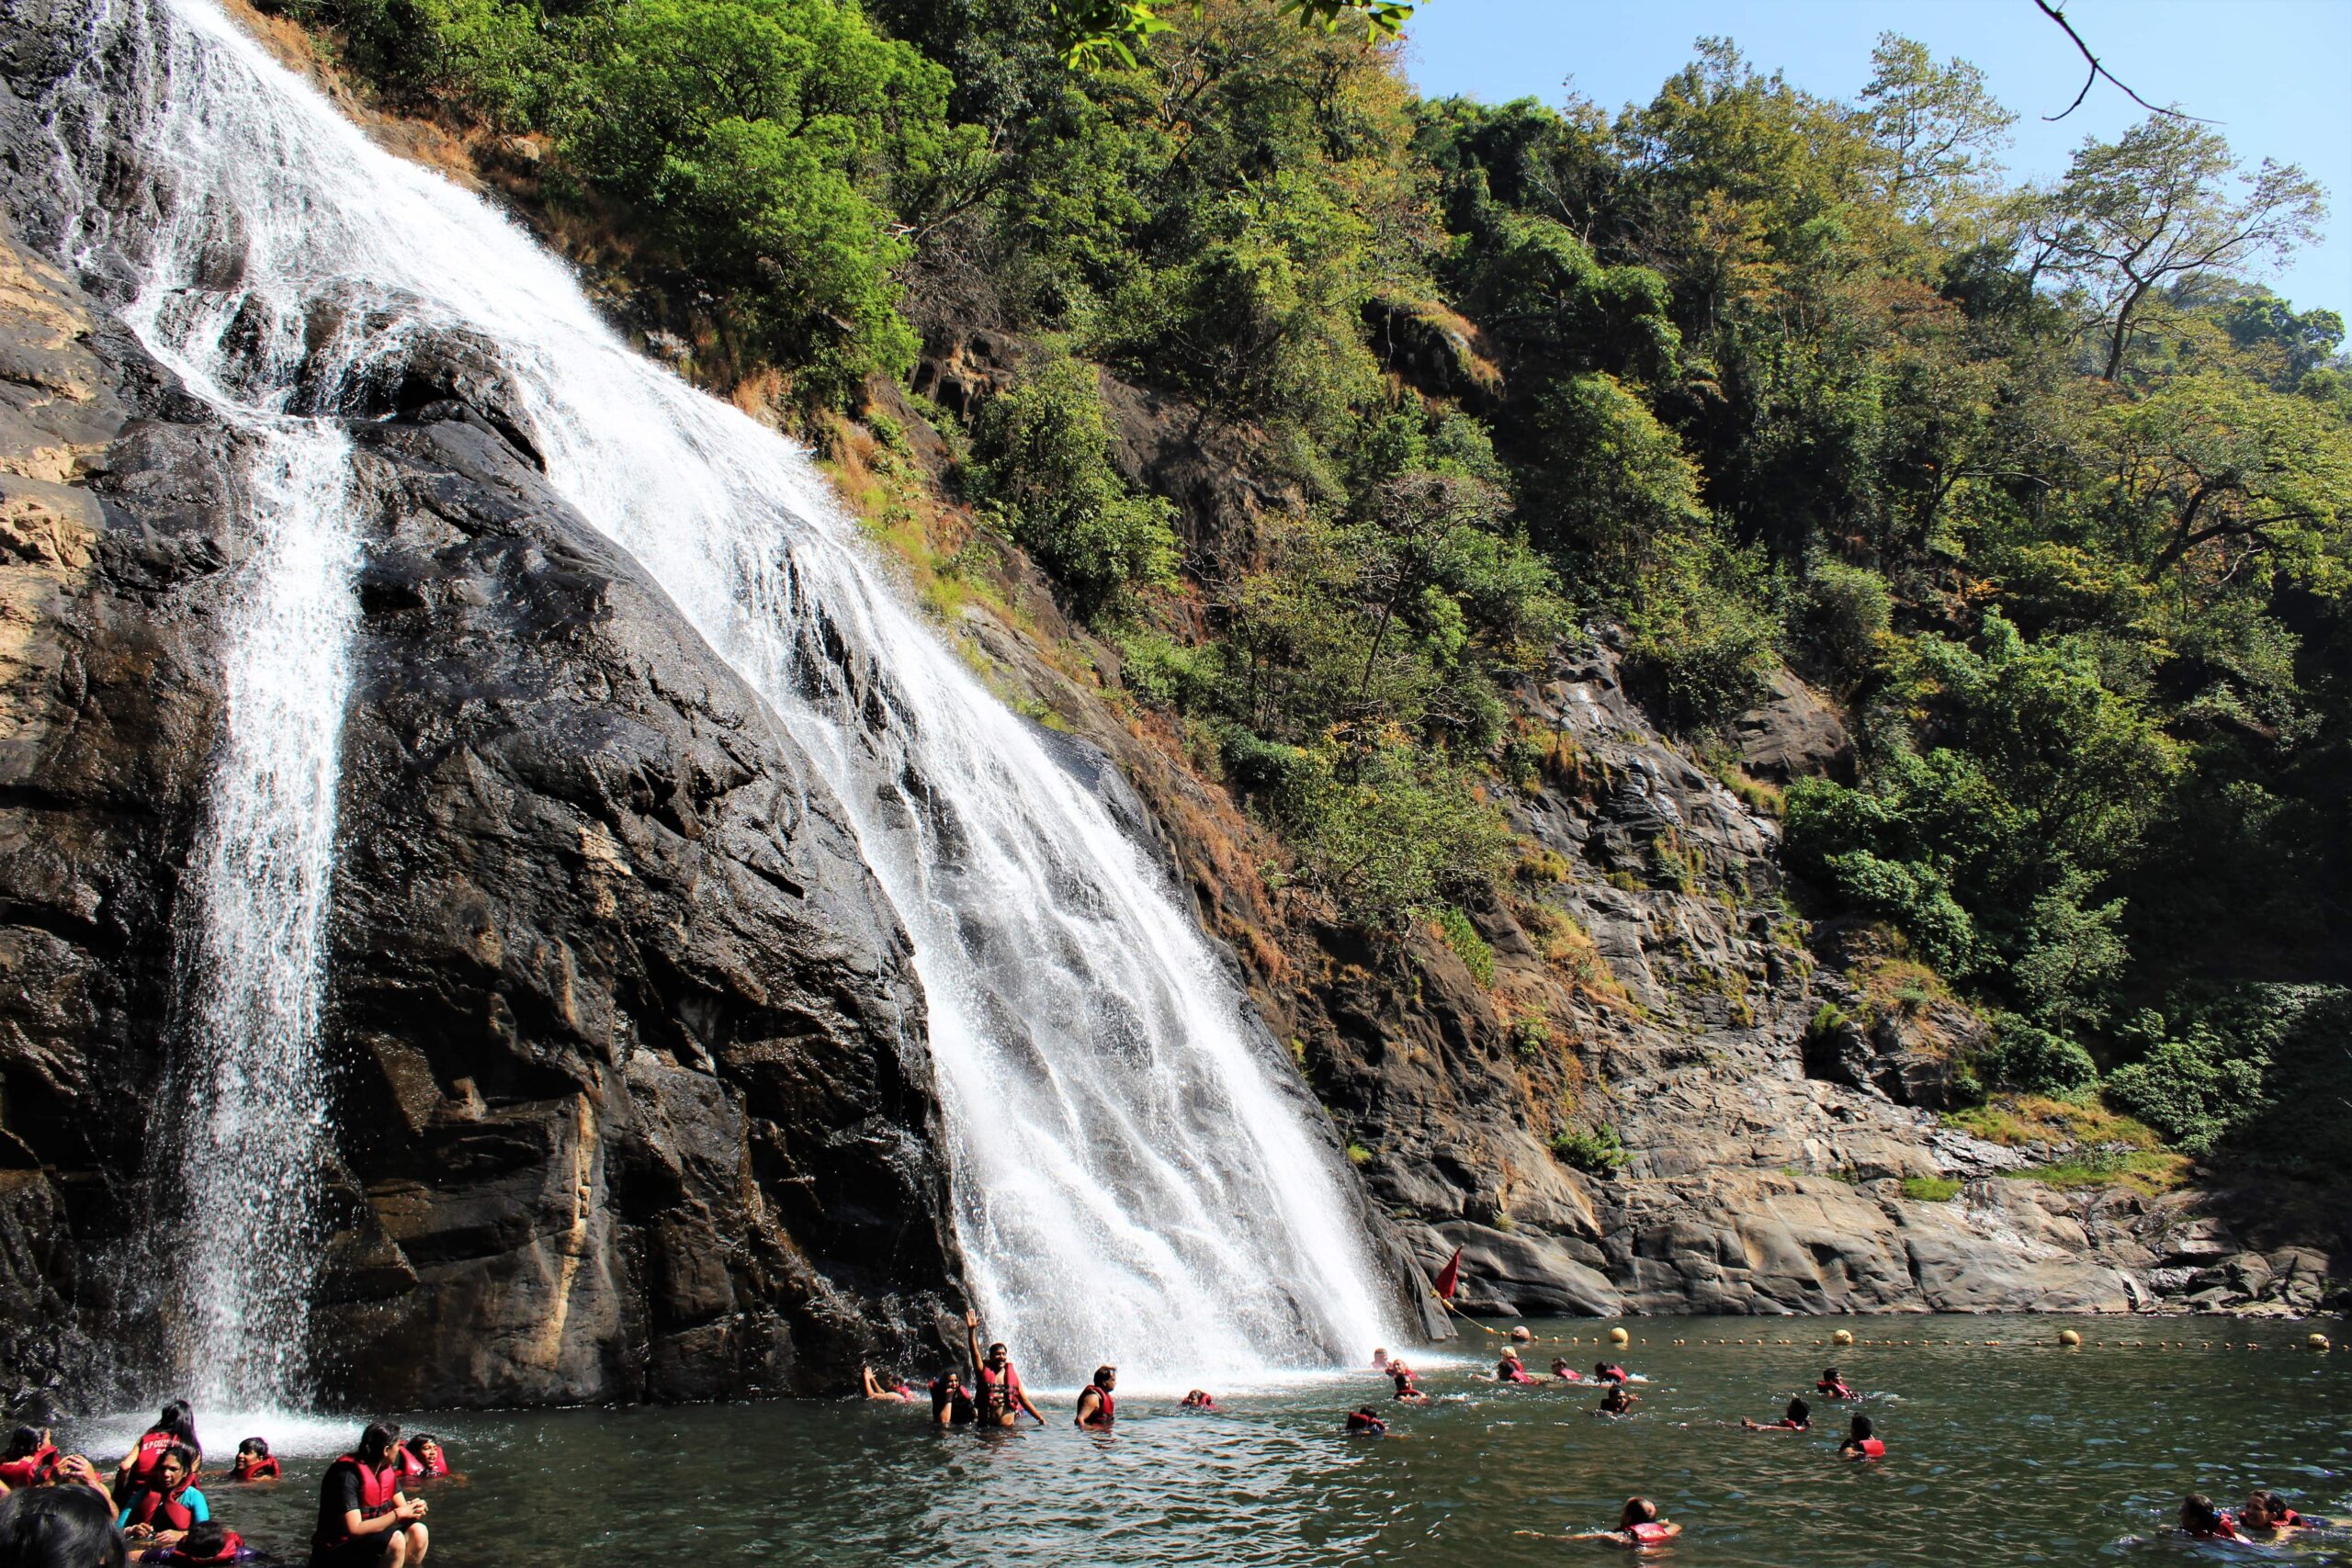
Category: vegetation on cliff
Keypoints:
(2035, 481)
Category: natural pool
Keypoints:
(2020, 1452)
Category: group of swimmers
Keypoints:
(994, 1397)
(60, 1512)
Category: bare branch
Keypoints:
(2058, 15)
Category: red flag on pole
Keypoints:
(1450, 1276)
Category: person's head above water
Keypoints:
(1800, 1412)
(377, 1442)
(2197, 1515)
(179, 1419)
(2256, 1512)
(1863, 1427)
(997, 1355)
(257, 1447)
(23, 1443)
(1380, 1355)
(174, 1469)
(206, 1541)
(1638, 1511)
(1106, 1378)
(1829, 1374)
(59, 1527)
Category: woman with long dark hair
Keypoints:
(363, 1521)
(176, 1425)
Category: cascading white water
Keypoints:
(1134, 1180)
(247, 1139)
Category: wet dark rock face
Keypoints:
(631, 1086)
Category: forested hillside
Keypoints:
(2036, 484)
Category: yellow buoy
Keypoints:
(1619, 1336)
(1843, 1336)
(2317, 1342)
(2067, 1337)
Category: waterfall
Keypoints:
(1136, 1179)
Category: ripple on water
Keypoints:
(2004, 1455)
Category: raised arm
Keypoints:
(972, 1341)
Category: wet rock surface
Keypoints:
(631, 1079)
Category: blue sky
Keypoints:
(2277, 74)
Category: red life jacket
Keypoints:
(33, 1470)
(149, 1453)
(377, 1490)
(1872, 1449)
(249, 1469)
(1834, 1390)
(2290, 1517)
(1371, 1426)
(1614, 1374)
(232, 1545)
(1649, 1534)
(411, 1465)
(161, 1511)
(997, 1393)
(1108, 1412)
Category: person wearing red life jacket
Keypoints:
(255, 1463)
(1798, 1419)
(176, 1424)
(2199, 1520)
(1862, 1441)
(1563, 1373)
(1511, 1369)
(996, 1387)
(1833, 1385)
(364, 1519)
(1603, 1372)
(1638, 1525)
(423, 1459)
(2266, 1516)
(1618, 1401)
(161, 1509)
(208, 1545)
(1365, 1422)
(1406, 1390)
(1096, 1409)
(887, 1386)
(1200, 1399)
(31, 1459)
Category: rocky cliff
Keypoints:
(1674, 1094)
(637, 1101)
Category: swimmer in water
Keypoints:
(1380, 1361)
(1096, 1409)
(997, 1388)
(2199, 1520)
(950, 1402)
(1798, 1419)
(255, 1463)
(2265, 1513)
(1564, 1373)
(1638, 1525)
(886, 1385)
(1604, 1372)
(1365, 1422)
(1200, 1399)
(1862, 1441)
(1511, 1369)
(1618, 1401)
(1406, 1391)
(1833, 1385)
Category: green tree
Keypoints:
(2165, 203)
(1937, 131)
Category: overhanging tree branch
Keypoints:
(2058, 15)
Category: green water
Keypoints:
(2019, 1453)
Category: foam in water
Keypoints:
(1135, 1181)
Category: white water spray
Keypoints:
(1134, 1181)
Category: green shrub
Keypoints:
(1600, 1152)
(1043, 455)
(1384, 831)
(1358, 1154)
(2026, 1057)
(2194, 1090)
(1834, 623)
(1468, 945)
(1532, 1035)
(1931, 1188)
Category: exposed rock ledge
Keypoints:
(642, 1107)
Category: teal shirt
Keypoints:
(191, 1499)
